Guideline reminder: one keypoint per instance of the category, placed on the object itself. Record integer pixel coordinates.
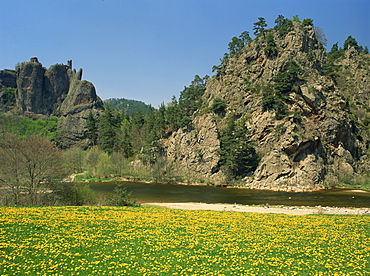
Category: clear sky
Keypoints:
(148, 50)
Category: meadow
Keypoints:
(156, 241)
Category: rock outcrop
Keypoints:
(56, 91)
(316, 139)
(75, 109)
(8, 78)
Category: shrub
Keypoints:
(76, 194)
(218, 106)
(121, 197)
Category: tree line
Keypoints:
(116, 131)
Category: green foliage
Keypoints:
(173, 118)
(191, 97)
(109, 124)
(307, 22)
(238, 158)
(218, 106)
(245, 37)
(283, 26)
(25, 127)
(76, 194)
(92, 128)
(73, 158)
(350, 42)
(330, 69)
(7, 97)
(121, 197)
(259, 26)
(271, 48)
(274, 97)
(235, 45)
(124, 139)
(296, 19)
(130, 107)
(238, 43)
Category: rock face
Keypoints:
(194, 150)
(58, 91)
(30, 87)
(317, 138)
(75, 109)
(8, 78)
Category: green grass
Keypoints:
(156, 241)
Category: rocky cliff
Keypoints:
(56, 91)
(306, 136)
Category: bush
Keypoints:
(121, 197)
(76, 194)
(218, 106)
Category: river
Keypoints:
(156, 192)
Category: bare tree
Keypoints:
(28, 166)
(320, 36)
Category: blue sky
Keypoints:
(148, 50)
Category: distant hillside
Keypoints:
(128, 106)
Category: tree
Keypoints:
(350, 42)
(245, 37)
(274, 97)
(108, 125)
(150, 126)
(121, 197)
(329, 68)
(283, 26)
(307, 22)
(123, 143)
(28, 166)
(296, 18)
(191, 99)
(235, 45)
(271, 48)
(92, 128)
(219, 106)
(76, 194)
(319, 33)
(259, 26)
(279, 21)
(173, 114)
(238, 158)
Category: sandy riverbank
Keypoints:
(288, 210)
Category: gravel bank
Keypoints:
(288, 210)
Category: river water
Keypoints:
(156, 192)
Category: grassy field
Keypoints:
(156, 241)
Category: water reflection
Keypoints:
(155, 192)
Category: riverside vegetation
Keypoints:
(280, 113)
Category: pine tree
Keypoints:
(350, 42)
(92, 128)
(108, 126)
(173, 115)
(259, 26)
(124, 139)
(271, 48)
(238, 158)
